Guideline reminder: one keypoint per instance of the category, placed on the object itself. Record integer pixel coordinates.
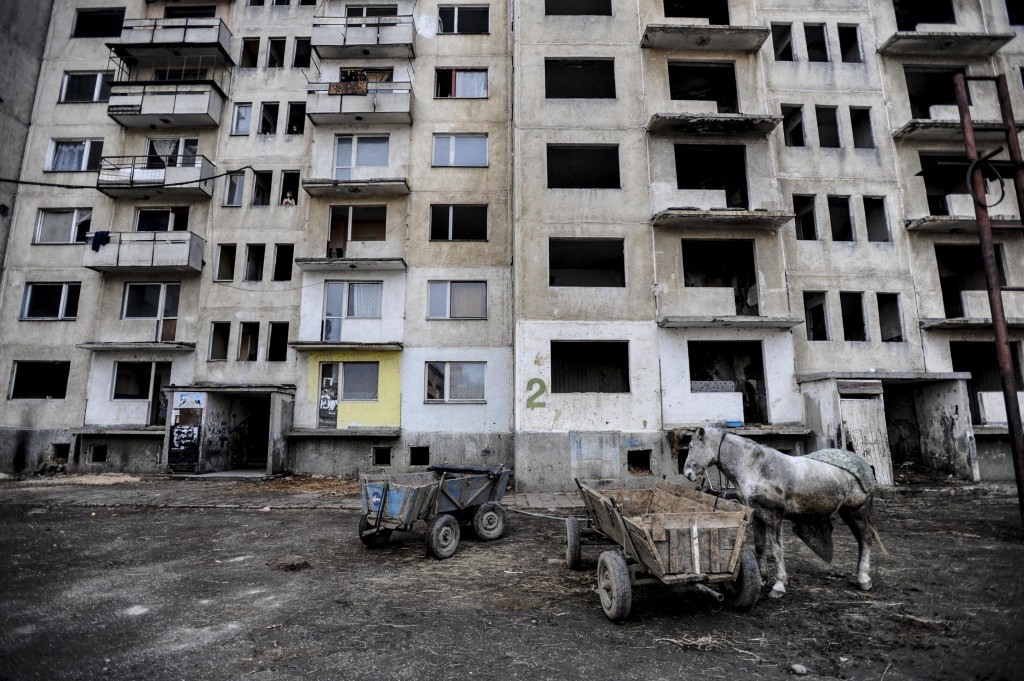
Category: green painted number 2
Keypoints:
(533, 401)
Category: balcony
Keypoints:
(347, 264)
(704, 37)
(363, 37)
(944, 43)
(147, 176)
(149, 252)
(712, 123)
(170, 38)
(960, 218)
(356, 186)
(354, 102)
(943, 125)
(709, 209)
(155, 105)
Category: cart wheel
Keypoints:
(489, 521)
(572, 543)
(372, 540)
(443, 536)
(743, 592)
(613, 585)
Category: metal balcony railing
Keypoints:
(153, 171)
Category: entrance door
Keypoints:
(865, 433)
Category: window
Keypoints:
(714, 166)
(170, 152)
(86, 87)
(419, 456)
(250, 53)
(254, 262)
(153, 301)
(849, 44)
(296, 118)
(851, 304)
(910, 13)
(582, 166)
(815, 316)
(139, 380)
(589, 366)
(461, 19)
(889, 323)
(352, 151)
(355, 223)
(98, 23)
(875, 219)
(782, 41)
(63, 225)
(98, 453)
(817, 42)
(638, 462)
(283, 256)
(268, 118)
(929, 86)
(793, 125)
(289, 187)
(839, 218)
(75, 155)
(255, 3)
(578, 8)
(179, 74)
(579, 78)
(1015, 12)
(243, 119)
(352, 299)
(371, 11)
(586, 262)
(220, 338)
(455, 381)
(275, 53)
(381, 456)
(262, 179)
(51, 301)
(458, 222)
(249, 341)
(225, 263)
(359, 381)
(199, 11)
(860, 125)
(704, 81)
(806, 228)
(828, 126)
(961, 268)
(730, 366)
(303, 51)
(39, 380)
(457, 300)
(461, 83)
(162, 219)
(467, 151)
(715, 11)
(723, 264)
(277, 342)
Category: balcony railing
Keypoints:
(148, 37)
(137, 176)
(145, 251)
(166, 105)
(374, 37)
(359, 101)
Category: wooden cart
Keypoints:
(666, 533)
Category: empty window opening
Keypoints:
(275, 53)
(463, 20)
(248, 341)
(733, 367)
(945, 175)
(1015, 12)
(817, 42)
(283, 256)
(40, 380)
(715, 11)
(277, 342)
(162, 219)
(98, 453)
(51, 301)
(806, 227)
(586, 262)
(860, 124)
(62, 451)
(268, 118)
(578, 8)
(98, 23)
(714, 166)
(875, 219)
(581, 166)
(704, 81)
(262, 180)
(979, 359)
(458, 222)
(929, 86)
(910, 13)
(793, 125)
(638, 462)
(355, 223)
(296, 124)
(723, 263)
(782, 41)
(849, 44)
(254, 254)
(225, 262)
(250, 53)
(589, 366)
(220, 338)
(289, 188)
(419, 456)
(381, 456)
(457, 300)
(303, 53)
(890, 323)
(961, 269)
(815, 316)
(839, 218)
(579, 78)
(461, 83)
(196, 12)
(828, 126)
(851, 305)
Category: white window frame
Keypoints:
(77, 216)
(353, 161)
(154, 209)
(86, 154)
(62, 311)
(347, 306)
(448, 399)
(152, 379)
(448, 297)
(161, 315)
(97, 86)
(455, 71)
(453, 139)
(455, 9)
(234, 119)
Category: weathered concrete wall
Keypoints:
(994, 461)
(947, 437)
(124, 454)
(21, 449)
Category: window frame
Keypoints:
(452, 155)
(77, 217)
(455, 19)
(17, 364)
(455, 71)
(149, 387)
(162, 316)
(446, 383)
(354, 154)
(62, 315)
(235, 129)
(447, 283)
(342, 366)
(99, 78)
(346, 306)
(87, 154)
(238, 181)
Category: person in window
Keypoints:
(288, 200)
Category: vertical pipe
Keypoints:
(995, 297)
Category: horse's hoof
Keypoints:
(865, 585)
(778, 591)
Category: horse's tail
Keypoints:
(875, 537)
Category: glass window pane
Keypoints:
(442, 150)
(55, 227)
(105, 80)
(438, 306)
(471, 84)
(71, 301)
(243, 116)
(469, 299)
(142, 301)
(332, 329)
(435, 380)
(80, 87)
(466, 381)
(334, 304)
(233, 191)
(171, 300)
(360, 381)
(471, 150)
(68, 155)
(372, 151)
(43, 301)
(364, 299)
(343, 152)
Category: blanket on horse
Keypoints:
(849, 462)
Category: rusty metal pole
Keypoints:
(995, 295)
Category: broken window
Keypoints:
(978, 358)
(589, 366)
(806, 227)
(578, 7)
(462, 20)
(817, 42)
(248, 341)
(638, 461)
(828, 126)
(714, 166)
(419, 456)
(586, 262)
(461, 83)
(220, 335)
(277, 342)
(782, 41)
(254, 262)
(268, 118)
(910, 13)
(851, 305)
(815, 316)
(875, 219)
(162, 219)
(275, 53)
(457, 300)
(704, 81)
(961, 269)
(296, 118)
(153, 301)
(250, 53)
(860, 124)
(63, 225)
(351, 299)
(225, 263)
(381, 456)
(723, 263)
(579, 78)
(455, 381)
(793, 125)
(849, 44)
(283, 256)
(929, 86)
(234, 187)
(352, 151)
(583, 166)
(86, 87)
(355, 223)
(98, 23)
(464, 151)
(75, 155)
(143, 381)
(39, 380)
(51, 301)
(731, 366)
(261, 181)
(890, 324)
(458, 222)
(839, 218)
(715, 11)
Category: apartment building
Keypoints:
(334, 236)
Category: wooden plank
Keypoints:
(675, 564)
(648, 553)
(714, 558)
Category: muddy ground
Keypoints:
(157, 593)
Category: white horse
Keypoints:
(777, 486)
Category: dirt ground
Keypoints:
(157, 593)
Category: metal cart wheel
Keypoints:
(613, 585)
(489, 521)
(443, 536)
(573, 558)
(378, 539)
(743, 592)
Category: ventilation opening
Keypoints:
(929, 86)
(723, 264)
(793, 125)
(817, 42)
(851, 304)
(638, 462)
(98, 454)
(730, 367)
(579, 166)
(828, 126)
(713, 166)
(586, 262)
(782, 41)
(910, 13)
(803, 207)
(704, 82)
(960, 269)
(889, 322)
(419, 456)
(715, 11)
(589, 367)
(579, 79)
(839, 218)
(815, 316)
(875, 219)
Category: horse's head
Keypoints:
(703, 449)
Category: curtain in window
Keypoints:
(466, 381)
(471, 84)
(469, 299)
(166, 150)
(68, 155)
(364, 300)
